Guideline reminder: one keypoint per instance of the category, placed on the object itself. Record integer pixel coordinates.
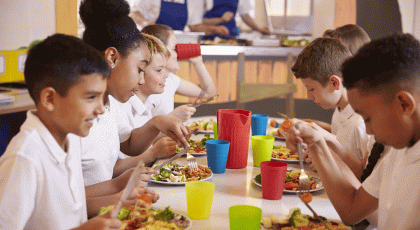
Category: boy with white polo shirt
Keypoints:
(383, 87)
(318, 67)
(41, 181)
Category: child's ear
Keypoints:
(111, 56)
(407, 102)
(335, 81)
(47, 98)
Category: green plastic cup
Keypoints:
(199, 199)
(216, 137)
(244, 217)
(262, 149)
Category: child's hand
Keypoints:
(305, 134)
(131, 199)
(173, 128)
(196, 60)
(100, 222)
(164, 147)
(145, 177)
(227, 16)
(183, 112)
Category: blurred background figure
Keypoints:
(223, 12)
(176, 14)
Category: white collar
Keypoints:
(412, 154)
(138, 105)
(34, 123)
(345, 114)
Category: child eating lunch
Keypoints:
(164, 103)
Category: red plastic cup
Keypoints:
(273, 175)
(187, 50)
(234, 125)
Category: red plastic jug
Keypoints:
(234, 125)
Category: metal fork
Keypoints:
(201, 95)
(205, 101)
(192, 162)
(313, 212)
(304, 182)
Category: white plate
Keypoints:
(291, 191)
(6, 99)
(199, 154)
(285, 160)
(177, 183)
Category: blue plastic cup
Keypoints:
(259, 124)
(217, 153)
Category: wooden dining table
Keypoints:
(236, 187)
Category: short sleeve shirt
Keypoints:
(396, 184)
(150, 9)
(350, 130)
(100, 149)
(164, 103)
(41, 184)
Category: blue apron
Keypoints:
(174, 15)
(219, 8)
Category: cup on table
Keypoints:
(215, 136)
(244, 217)
(199, 199)
(262, 149)
(259, 124)
(273, 175)
(187, 50)
(217, 153)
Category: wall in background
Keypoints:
(24, 21)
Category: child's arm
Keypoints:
(162, 148)
(350, 200)
(227, 16)
(321, 124)
(190, 89)
(117, 184)
(141, 138)
(183, 112)
(355, 165)
(209, 29)
(17, 192)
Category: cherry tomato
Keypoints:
(286, 125)
(146, 198)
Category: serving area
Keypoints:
(236, 187)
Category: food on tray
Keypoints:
(141, 216)
(197, 146)
(203, 125)
(297, 43)
(274, 123)
(281, 152)
(292, 181)
(173, 172)
(285, 125)
(220, 41)
(296, 220)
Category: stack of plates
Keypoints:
(5, 99)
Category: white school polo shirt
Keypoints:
(150, 9)
(350, 130)
(164, 102)
(395, 182)
(100, 149)
(137, 113)
(41, 186)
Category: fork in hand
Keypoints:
(192, 162)
(304, 182)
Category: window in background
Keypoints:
(297, 20)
